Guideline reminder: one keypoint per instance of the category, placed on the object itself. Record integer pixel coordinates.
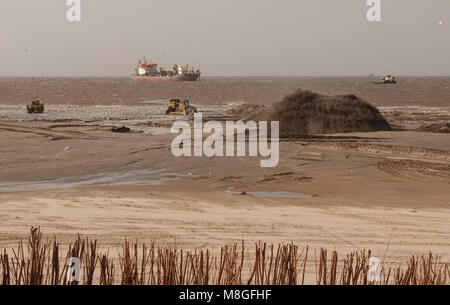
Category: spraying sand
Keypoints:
(305, 112)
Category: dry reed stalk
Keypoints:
(426, 270)
(38, 254)
(18, 264)
(322, 275)
(29, 269)
(333, 271)
(129, 264)
(76, 250)
(182, 268)
(54, 280)
(166, 266)
(39, 264)
(106, 270)
(4, 264)
(304, 266)
(347, 270)
(360, 271)
(282, 268)
(144, 263)
(133, 272)
(199, 267)
(289, 265)
(151, 260)
(386, 276)
(90, 260)
(257, 275)
(354, 271)
(230, 265)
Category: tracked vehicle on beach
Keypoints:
(36, 106)
(176, 106)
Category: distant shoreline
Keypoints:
(232, 76)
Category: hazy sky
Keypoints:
(226, 37)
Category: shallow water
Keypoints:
(425, 91)
(154, 111)
(272, 194)
(129, 178)
(279, 194)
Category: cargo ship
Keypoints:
(149, 71)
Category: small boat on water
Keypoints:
(148, 71)
(388, 79)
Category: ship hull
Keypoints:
(176, 78)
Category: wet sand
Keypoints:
(378, 191)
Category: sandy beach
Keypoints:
(384, 191)
(215, 150)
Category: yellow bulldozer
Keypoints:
(176, 106)
(36, 107)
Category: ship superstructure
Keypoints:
(149, 71)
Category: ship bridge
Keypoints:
(147, 68)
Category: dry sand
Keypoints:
(384, 191)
